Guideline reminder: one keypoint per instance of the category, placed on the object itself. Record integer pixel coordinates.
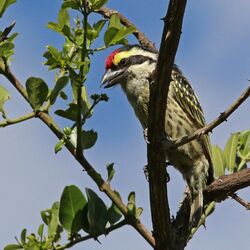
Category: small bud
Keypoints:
(95, 97)
(104, 97)
(67, 131)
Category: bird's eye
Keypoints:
(123, 61)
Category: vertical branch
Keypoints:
(162, 228)
(81, 81)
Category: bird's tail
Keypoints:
(196, 210)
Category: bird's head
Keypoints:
(127, 61)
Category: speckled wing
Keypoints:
(186, 98)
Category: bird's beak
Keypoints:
(111, 78)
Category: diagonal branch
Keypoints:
(226, 185)
(241, 201)
(87, 237)
(143, 40)
(95, 176)
(222, 188)
(223, 117)
(8, 122)
(162, 228)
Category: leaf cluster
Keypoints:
(74, 214)
(235, 155)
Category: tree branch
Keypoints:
(222, 188)
(162, 228)
(8, 122)
(226, 185)
(221, 118)
(241, 201)
(143, 40)
(95, 176)
(87, 237)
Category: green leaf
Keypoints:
(63, 17)
(54, 26)
(40, 231)
(67, 33)
(121, 35)
(55, 53)
(88, 139)
(230, 151)
(97, 212)
(131, 197)
(37, 91)
(115, 22)
(131, 203)
(23, 236)
(114, 214)
(98, 4)
(12, 247)
(60, 84)
(209, 209)
(71, 206)
(245, 145)
(4, 96)
(54, 221)
(109, 35)
(99, 26)
(46, 216)
(70, 113)
(139, 211)
(71, 4)
(219, 161)
(85, 221)
(111, 172)
(59, 145)
(4, 4)
(6, 49)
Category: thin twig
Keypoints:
(95, 176)
(162, 228)
(241, 201)
(87, 237)
(8, 122)
(221, 118)
(143, 40)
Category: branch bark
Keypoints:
(143, 40)
(162, 228)
(222, 188)
(95, 176)
(226, 185)
(8, 122)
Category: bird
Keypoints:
(132, 67)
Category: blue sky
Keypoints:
(213, 55)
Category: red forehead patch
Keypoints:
(109, 60)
